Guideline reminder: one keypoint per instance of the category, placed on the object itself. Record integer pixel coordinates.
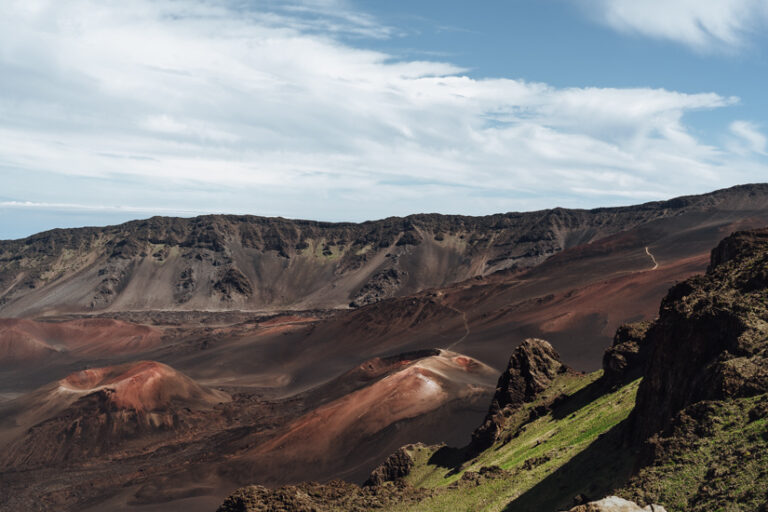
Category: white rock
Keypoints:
(616, 504)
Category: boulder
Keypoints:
(615, 504)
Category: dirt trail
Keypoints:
(655, 263)
(467, 330)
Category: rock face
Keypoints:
(397, 466)
(233, 283)
(738, 246)
(615, 504)
(211, 262)
(531, 370)
(625, 360)
(331, 497)
(711, 339)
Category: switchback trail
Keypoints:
(467, 330)
(655, 263)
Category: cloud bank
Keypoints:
(197, 106)
(704, 25)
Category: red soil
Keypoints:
(29, 340)
(416, 389)
(145, 385)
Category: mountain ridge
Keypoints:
(223, 262)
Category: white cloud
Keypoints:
(30, 205)
(704, 25)
(751, 139)
(270, 110)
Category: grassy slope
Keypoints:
(721, 464)
(715, 460)
(534, 454)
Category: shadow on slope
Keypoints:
(597, 471)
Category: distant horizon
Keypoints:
(300, 219)
(344, 110)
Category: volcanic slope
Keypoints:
(281, 367)
(438, 395)
(677, 418)
(27, 341)
(104, 425)
(100, 411)
(574, 299)
(255, 263)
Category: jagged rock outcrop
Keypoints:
(531, 370)
(232, 284)
(625, 360)
(397, 466)
(711, 339)
(615, 504)
(333, 496)
(738, 246)
(381, 285)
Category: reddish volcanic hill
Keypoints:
(426, 396)
(102, 410)
(142, 386)
(23, 340)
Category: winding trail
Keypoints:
(655, 263)
(467, 330)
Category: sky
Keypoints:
(352, 110)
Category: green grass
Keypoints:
(718, 462)
(547, 444)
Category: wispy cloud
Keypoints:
(274, 110)
(704, 25)
(750, 138)
(32, 205)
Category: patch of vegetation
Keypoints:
(539, 449)
(714, 459)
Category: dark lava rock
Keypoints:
(711, 339)
(738, 246)
(233, 282)
(397, 466)
(381, 285)
(475, 478)
(126, 249)
(185, 285)
(531, 370)
(332, 496)
(625, 360)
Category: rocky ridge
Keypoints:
(220, 262)
(625, 360)
(531, 370)
(710, 341)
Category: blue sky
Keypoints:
(354, 110)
